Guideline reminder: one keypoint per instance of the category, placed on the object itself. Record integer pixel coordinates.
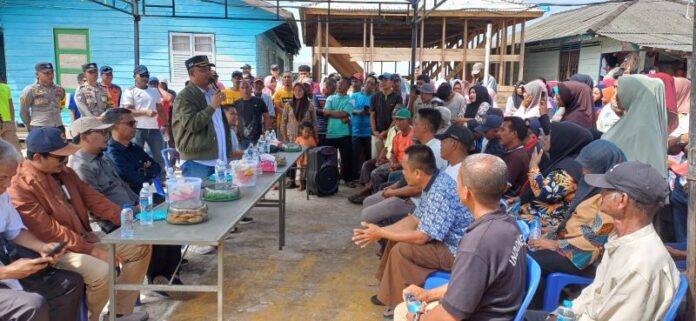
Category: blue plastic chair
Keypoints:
(678, 298)
(524, 229)
(555, 283)
(439, 278)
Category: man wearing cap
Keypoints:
(233, 94)
(489, 142)
(55, 205)
(146, 104)
(360, 122)
(488, 81)
(424, 241)
(267, 99)
(253, 116)
(246, 72)
(8, 130)
(91, 98)
(636, 279)
(396, 83)
(421, 97)
(40, 103)
(201, 131)
(107, 77)
(275, 71)
(305, 76)
(381, 107)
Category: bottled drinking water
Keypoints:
(127, 221)
(273, 135)
(565, 312)
(220, 174)
(146, 205)
(534, 230)
(262, 144)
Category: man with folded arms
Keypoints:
(55, 205)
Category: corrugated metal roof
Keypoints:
(649, 23)
(450, 5)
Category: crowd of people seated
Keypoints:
(444, 176)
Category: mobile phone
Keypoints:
(57, 249)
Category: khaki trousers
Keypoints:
(377, 146)
(404, 264)
(95, 272)
(8, 132)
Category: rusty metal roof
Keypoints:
(649, 23)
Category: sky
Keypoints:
(305, 56)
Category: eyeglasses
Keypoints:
(102, 132)
(60, 159)
(128, 123)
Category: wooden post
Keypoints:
(513, 46)
(487, 60)
(521, 56)
(326, 61)
(465, 44)
(444, 47)
(372, 45)
(364, 51)
(499, 70)
(422, 37)
(320, 53)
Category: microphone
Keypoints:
(212, 82)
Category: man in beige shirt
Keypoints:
(637, 278)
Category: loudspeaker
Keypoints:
(322, 171)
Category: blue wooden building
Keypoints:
(72, 32)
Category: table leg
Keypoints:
(220, 280)
(112, 282)
(281, 213)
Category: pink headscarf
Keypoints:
(683, 88)
(670, 99)
(270, 87)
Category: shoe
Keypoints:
(184, 262)
(357, 199)
(202, 249)
(352, 184)
(174, 295)
(246, 220)
(135, 316)
(375, 300)
(290, 184)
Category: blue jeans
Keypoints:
(155, 142)
(682, 247)
(395, 176)
(194, 169)
(679, 211)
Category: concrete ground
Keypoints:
(319, 275)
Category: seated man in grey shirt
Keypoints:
(98, 171)
(489, 272)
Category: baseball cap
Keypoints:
(427, 88)
(198, 61)
(640, 181)
(258, 80)
(476, 69)
(89, 66)
(403, 114)
(50, 140)
(423, 78)
(534, 125)
(237, 73)
(395, 77)
(458, 133)
(357, 76)
(304, 68)
(246, 66)
(274, 66)
(85, 124)
(491, 121)
(106, 70)
(153, 79)
(140, 69)
(43, 66)
(385, 76)
(164, 80)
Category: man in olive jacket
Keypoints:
(200, 129)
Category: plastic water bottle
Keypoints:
(565, 312)
(127, 222)
(273, 135)
(534, 230)
(146, 205)
(412, 304)
(220, 174)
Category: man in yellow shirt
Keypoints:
(282, 96)
(8, 130)
(233, 94)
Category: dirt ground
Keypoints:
(319, 275)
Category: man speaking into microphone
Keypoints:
(200, 129)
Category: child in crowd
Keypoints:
(306, 140)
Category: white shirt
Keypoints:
(143, 99)
(219, 127)
(434, 145)
(10, 227)
(606, 119)
(635, 281)
(683, 127)
(524, 112)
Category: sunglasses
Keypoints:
(102, 132)
(145, 75)
(129, 123)
(60, 159)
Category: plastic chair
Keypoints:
(439, 278)
(524, 229)
(671, 313)
(555, 283)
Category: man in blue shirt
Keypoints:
(424, 241)
(132, 163)
(362, 132)
(338, 110)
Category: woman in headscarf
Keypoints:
(585, 79)
(479, 103)
(597, 98)
(552, 188)
(577, 245)
(576, 98)
(269, 85)
(683, 87)
(515, 100)
(533, 93)
(296, 111)
(670, 99)
(642, 132)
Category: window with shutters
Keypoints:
(72, 51)
(183, 46)
(569, 60)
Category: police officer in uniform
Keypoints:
(107, 76)
(91, 98)
(40, 103)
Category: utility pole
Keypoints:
(691, 179)
(136, 33)
(414, 41)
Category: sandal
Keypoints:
(388, 314)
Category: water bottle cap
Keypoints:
(125, 206)
(146, 184)
(567, 303)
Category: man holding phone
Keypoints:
(26, 292)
